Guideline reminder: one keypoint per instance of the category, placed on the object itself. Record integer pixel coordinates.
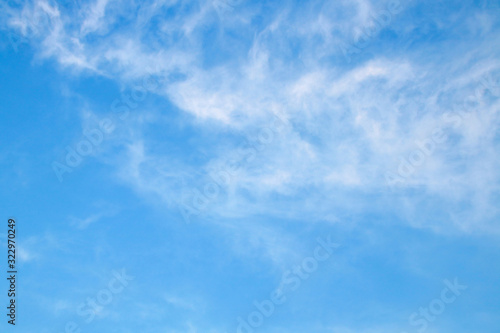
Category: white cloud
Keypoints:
(346, 126)
(94, 20)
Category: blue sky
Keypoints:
(252, 166)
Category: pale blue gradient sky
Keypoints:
(225, 137)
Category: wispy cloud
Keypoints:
(259, 132)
